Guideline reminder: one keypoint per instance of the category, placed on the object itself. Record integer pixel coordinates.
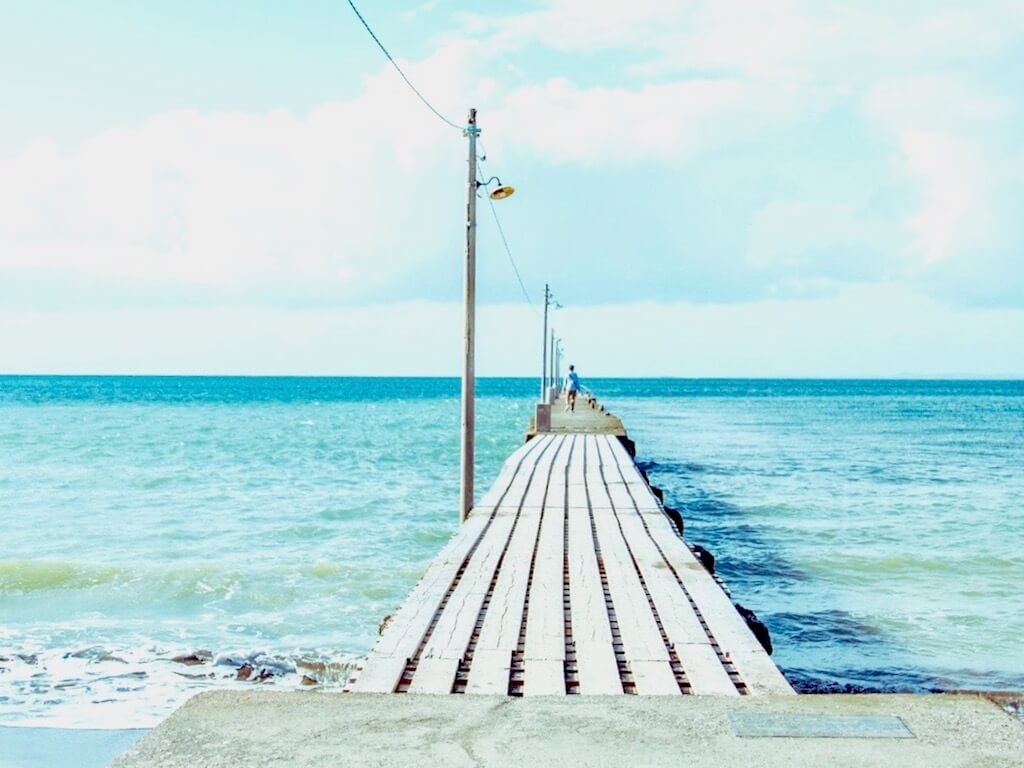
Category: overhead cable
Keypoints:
(399, 69)
(512, 261)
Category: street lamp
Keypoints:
(501, 191)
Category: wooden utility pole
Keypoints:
(544, 356)
(551, 368)
(468, 370)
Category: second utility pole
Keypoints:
(544, 357)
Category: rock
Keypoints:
(706, 558)
(244, 672)
(191, 659)
(658, 493)
(676, 518)
(307, 680)
(197, 675)
(91, 653)
(313, 666)
(756, 626)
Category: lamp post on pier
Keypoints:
(466, 458)
(544, 354)
(554, 377)
(547, 374)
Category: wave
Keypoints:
(25, 576)
(22, 577)
(107, 686)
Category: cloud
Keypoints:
(244, 203)
(714, 151)
(954, 139)
(410, 15)
(797, 41)
(952, 212)
(652, 123)
(859, 330)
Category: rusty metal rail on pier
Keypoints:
(568, 577)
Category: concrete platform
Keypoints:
(228, 728)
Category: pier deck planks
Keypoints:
(568, 577)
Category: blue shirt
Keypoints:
(572, 382)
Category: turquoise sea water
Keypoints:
(876, 527)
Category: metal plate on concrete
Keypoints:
(793, 725)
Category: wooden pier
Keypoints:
(569, 578)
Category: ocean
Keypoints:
(876, 527)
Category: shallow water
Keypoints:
(874, 526)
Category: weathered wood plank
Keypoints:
(758, 670)
(396, 646)
(544, 677)
(592, 637)
(654, 678)
(544, 647)
(506, 476)
(641, 640)
(704, 670)
(500, 630)
(678, 619)
(489, 673)
(726, 625)
(434, 675)
(452, 632)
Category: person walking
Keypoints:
(572, 388)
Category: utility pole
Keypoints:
(554, 376)
(468, 370)
(544, 356)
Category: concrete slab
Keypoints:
(228, 728)
(790, 725)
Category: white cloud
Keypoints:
(236, 201)
(795, 234)
(592, 126)
(799, 41)
(577, 25)
(953, 136)
(952, 213)
(362, 199)
(862, 330)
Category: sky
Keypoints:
(712, 188)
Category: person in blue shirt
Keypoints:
(572, 387)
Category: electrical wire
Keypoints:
(399, 69)
(512, 261)
(494, 212)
